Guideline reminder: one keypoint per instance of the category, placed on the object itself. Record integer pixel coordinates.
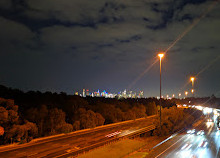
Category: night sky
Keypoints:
(68, 45)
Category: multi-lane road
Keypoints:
(66, 144)
(181, 145)
(191, 145)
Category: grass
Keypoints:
(138, 155)
(115, 150)
(127, 148)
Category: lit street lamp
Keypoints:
(186, 93)
(192, 79)
(160, 55)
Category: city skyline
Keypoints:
(99, 93)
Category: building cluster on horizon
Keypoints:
(124, 94)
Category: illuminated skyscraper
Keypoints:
(84, 93)
(141, 94)
(87, 92)
(124, 94)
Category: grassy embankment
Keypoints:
(124, 148)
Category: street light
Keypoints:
(192, 79)
(160, 55)
(186, 93)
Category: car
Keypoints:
(187, 146)
(203, 144)
(191, 131)
(209, 120)
(200, 132)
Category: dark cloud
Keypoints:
(68, 45)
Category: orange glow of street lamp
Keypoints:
(161, 55)
(192, 79)
(186, 93)
(192, 91)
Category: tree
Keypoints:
(38, 116)
(151, 108)
(76, 125)
(139, 111)
(23, 132)
(56, 117)
(129, 115)
(64, 128)
(3, 115)
(173, 119)
(99, 119)
(87, 119)
(1, 131)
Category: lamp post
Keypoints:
(192, 91)
(160, 55)
(192, 79)
(186, 93)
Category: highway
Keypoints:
(66, 144)
(188, 145)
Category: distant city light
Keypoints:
(124, 94)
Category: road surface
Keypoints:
(186, 145)
(62, 145)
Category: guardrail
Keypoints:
(75, 133)
(141, 131)
(110, 140)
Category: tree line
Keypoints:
(28, 115)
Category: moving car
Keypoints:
(201, 132)
(209, 120)
(187, 146)
(191, 131)
(203, 144)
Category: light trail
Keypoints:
(195, 22)
(205, 68)
(142, 74)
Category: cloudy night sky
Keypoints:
(54, 45)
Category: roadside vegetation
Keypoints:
(33, 114)
(174, 119)
(24, 116)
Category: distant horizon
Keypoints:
(58, 92)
